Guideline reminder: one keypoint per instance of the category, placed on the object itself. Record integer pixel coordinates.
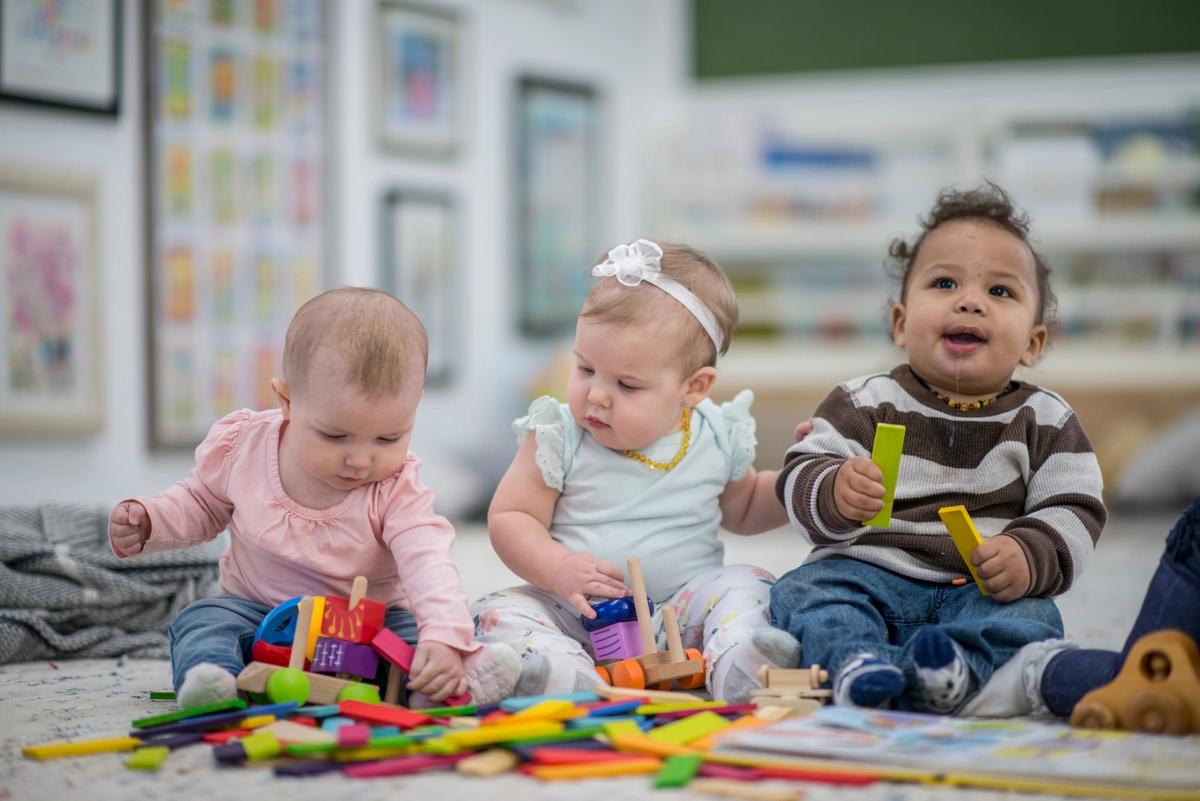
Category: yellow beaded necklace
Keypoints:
(678, 457)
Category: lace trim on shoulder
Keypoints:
(545, 420)
(743, 443)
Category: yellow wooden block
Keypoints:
(68, 748)
(488, 763)
(368, 753)
(641, 744)
(149, 758)
(684, 730)
(708, 741)
(547, 710)
(261, 745)
(621, 727)
(889, 444)
(680, 706)
(590, 770)
(486, 735)
(256, 721)
(965, 536)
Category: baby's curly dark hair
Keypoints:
(991, 204)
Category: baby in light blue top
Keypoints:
(611, 507)
(638, 462)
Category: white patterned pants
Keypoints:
(718, 611)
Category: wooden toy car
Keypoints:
(1157, 690)
(653, 668)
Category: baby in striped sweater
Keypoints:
(886, 610)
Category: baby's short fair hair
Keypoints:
(611, 302)
(988, 203)
(379, 340)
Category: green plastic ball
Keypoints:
(367, 693)
(288, 684)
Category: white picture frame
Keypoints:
(51, 375)
(418, 79)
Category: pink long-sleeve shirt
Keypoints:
(386, 531)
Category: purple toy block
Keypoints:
(340, 656)
(616, 641)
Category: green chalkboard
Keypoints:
(770, 37)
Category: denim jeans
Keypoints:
(839, 608)
(1172, 602)
(220, 630)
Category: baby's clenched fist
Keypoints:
(129, 527)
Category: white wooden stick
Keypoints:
(358, 591)
(674, 641)
(300, 639)
(638, 584)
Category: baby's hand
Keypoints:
(580, 575)
(1001, 564)
(802, 430)
(437, 671)
(858, 489)
(129, 527)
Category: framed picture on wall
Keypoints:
(62, 53)
(418, 264)
(50, 370)
(236, 233)
(558, 201)
(418, 78)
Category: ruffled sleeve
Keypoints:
(548, 420)
(740, 426)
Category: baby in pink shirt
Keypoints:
(317, 492)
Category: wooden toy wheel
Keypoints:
(1092, 713)
(628, 673)
(697, 680)
(1158, 711)
(602, 672)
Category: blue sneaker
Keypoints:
(867, 681)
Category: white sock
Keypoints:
(732, 677)
(205, 684)
(1015, 688)
(492, 672)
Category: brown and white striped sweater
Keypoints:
(1022, 466)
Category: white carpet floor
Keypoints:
(45, 701)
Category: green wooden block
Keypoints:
(191, 712)
(889, 443)
(677, 771)
(310, 749)
(148, 758)
(449, 711)
(687, 729)
(162, 695)
(582, 733)
(261, 745)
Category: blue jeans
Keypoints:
(220, 630)
(839, 608)
(1172, 602)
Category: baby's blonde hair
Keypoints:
(378, 338)
(611, 302)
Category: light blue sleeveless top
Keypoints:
(614, 507)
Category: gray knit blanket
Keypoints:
(63, 594)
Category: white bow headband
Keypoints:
(641, 261)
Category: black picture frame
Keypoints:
(15, 88)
